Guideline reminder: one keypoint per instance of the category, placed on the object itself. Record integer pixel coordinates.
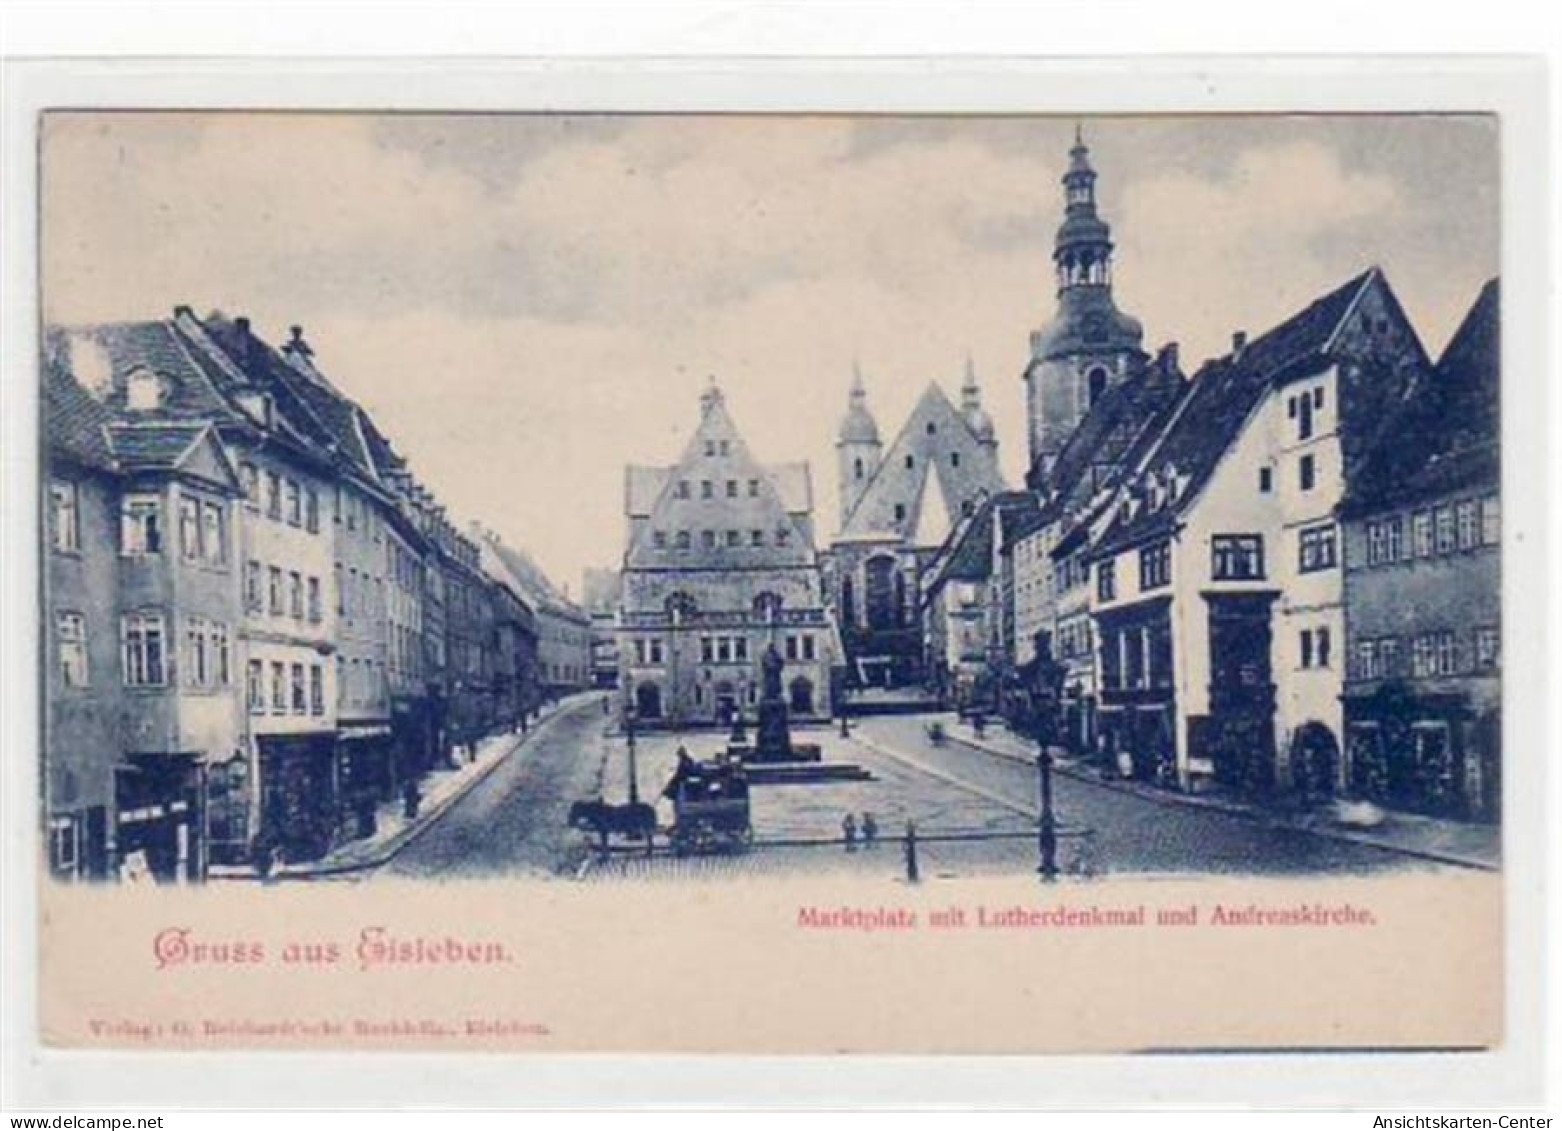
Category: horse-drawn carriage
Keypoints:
(710, 807)
(710, 804)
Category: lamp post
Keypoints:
(1047, 829)
(629, 734)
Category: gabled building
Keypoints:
(897, 507)
(563, 630)
(1216, 591)
(1422, 530)
(720, 567)
(599, 595)
(175, 589)
(963, 603)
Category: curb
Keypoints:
(1244, 812)
(393, 846)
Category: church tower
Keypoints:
(1089, 345)
(857, 447)
(975, 415)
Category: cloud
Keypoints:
(527, 303)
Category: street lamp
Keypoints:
(629, 733)
(1047, 829)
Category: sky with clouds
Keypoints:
(527, 303)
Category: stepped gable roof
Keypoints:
(894, 484)
(1223, 393)
(717, 455)
(1447, 435)
(75, 424)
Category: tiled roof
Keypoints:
(1447, 435)
(1224, 393)
(968, 554)
(74, 422)
(535, 587)
(189, 388)
(153, 446)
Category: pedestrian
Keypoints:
(870, 830)
(849, 832)
(913, 874)
(411, 799)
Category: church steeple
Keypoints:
(1083, 249)
(1088, 345)
(857, 446)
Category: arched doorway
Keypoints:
(802, 690)
(726, 702)
(1315, 760)
(648, 700)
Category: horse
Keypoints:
(634, 820)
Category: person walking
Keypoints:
(849, 832)
(870, 830)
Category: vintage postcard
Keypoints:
(888, 583)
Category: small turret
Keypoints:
(971, 407)
(857, 445)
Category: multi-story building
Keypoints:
(563, 628)
(1421, 531)
(962, 603)
(470, 709)
(83, 679)
(897, 508)
(720, 568)
(1216, 590)
(600, 598)
(176, 588)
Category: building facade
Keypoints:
(720, 568)
(897, 507)
(1422, 533)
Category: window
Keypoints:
(295, 504)
(724, 446)
(1321, 647)
(1106, 581)
(740, 648)
(1237, 557)
(753, 484)
(214, 541)
(1366, 660)
(250, 478)
(1491, 521)
(732, 488)
(255, 687)
(707, 489)
(1307, 471)
(1421, 533)
(954, 459)
(1155, 566)
(1318, 397)
(683, 540)
(144, 649)
(656, 649)
(1306, 647)
(723, 649)
(1266, 480)
(197, 660)
(143, 391)
(659, 539)
(274, 496)
(300, 698)
(856, 468)
(756, 537)
(312, 510)
(1317, 548)
(734, 538)
(791, 647)
(252, 600)
(1433, 654)
(708, 539)
(141, 525)
(1385, 541)
(71, 634)
(1443, 524)
(1388, 657)
(189, 528)
(316, 689)
(783, 536)
(1488, 648)
(911, 462)
(314, 600)
(1467, 521)
(65, 528)
(707, 650)
(295, 595)
(279, 687)
(900, 511)
(683, 489)
(808, 647)
(274, 587)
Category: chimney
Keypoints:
(241, 324)
(296, 343)
(1169, 360)
(183, 311)
(1238, 344)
